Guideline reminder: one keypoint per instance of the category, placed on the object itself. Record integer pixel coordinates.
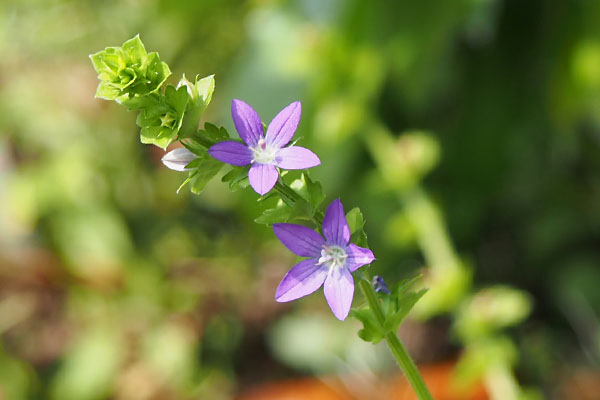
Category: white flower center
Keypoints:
(333, 256)
(263, 153)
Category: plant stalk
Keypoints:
(398, 351)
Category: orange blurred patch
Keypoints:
(297, 389)
(438, 378)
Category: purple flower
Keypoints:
(332, 261)
(266, 153)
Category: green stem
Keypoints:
(398, 351)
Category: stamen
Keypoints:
(263, 153)
(333, 256)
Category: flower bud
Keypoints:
(177, 159)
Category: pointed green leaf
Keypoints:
(271, 216)
(237, 178)
(356, 223)
(405, 304)
(134, 50)
(214, 133)
(355, 220)
(187, 180)
(176, 98)
(206, 169)
(156, 72)
(314, 189)
(157, 136)
(205, 88)
(372, 331)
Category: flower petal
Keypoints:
(358, 256)
(299, 239)
(304, 278)
(247, 122)
(177, 159)
(296, 157)
(234, 153)
(283, 126)
(339, 291)
(262, 177)
(335, 227)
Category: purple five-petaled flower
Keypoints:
(332, 261)
(267, 152)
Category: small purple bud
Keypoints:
(379, 285)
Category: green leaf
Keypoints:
(176, 98)
(299, 186)
(271, 216)
(355, 220)
(134, 50)
(139, 102)
(203, 169)
(194, 146)
(156, 73)
(309, 190)
(405, 304)
(107, 91)
(187, 180)
(199, 94)
(207, 168)
(214, 133)
(372, 330)
(314, 189)
(205, 88)
(162, 116)
(395, 307)
(200, 91)
(301, 210)
(157, 136)
(356, 223)
(237, 178)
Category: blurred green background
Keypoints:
(113, 286)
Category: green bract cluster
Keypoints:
(134, 78)
(129, 70)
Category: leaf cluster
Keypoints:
(395, 306)
(204, 168)
(133, 77)
(298, 201)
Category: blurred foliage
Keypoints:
(115, 286)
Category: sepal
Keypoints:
(162, 117)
